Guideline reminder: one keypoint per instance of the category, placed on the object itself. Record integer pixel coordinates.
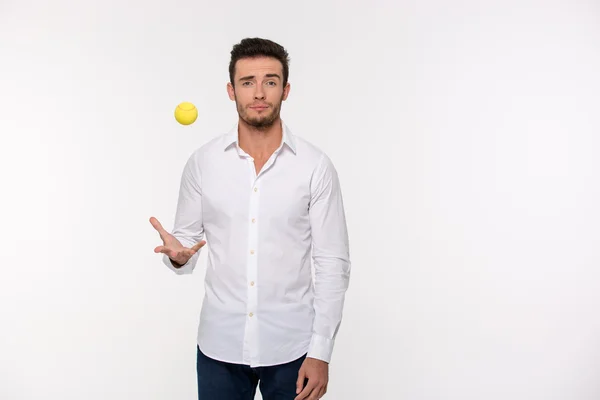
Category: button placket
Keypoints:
(252, 269)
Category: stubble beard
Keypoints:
(262, 121)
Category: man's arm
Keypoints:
(188, 227)
(331, 257)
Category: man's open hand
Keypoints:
(173, 247)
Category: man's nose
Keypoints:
(259, 94)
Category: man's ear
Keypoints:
(286, 91)
(230, 91)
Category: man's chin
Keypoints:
(261, 122)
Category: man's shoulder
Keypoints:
(317, 154)
(307, 148)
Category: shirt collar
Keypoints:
(232, 137)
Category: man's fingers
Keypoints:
(198, 245)
(321, 392)
(300, 381)
(158, 227)
(307, 391)
(317, 392)
(165, 250)
(172, 254)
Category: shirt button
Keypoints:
(251, 314)
(256, 189)
(251, 251)
(252, 283)
(253, 220)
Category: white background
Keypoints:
(465, 134)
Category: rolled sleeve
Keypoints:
(331, 256)
(188, 227)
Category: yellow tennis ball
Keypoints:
(186, 113)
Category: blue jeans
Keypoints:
(219, 380)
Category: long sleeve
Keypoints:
(188, 227)
(331, 256)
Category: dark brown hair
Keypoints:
(258, 47)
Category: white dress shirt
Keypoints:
(261, 305)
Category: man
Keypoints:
(268, 201)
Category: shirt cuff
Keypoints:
(186, 268)
(320, 348)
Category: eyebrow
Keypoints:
(250, 77)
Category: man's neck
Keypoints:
(260, 142)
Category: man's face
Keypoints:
(259, 90)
